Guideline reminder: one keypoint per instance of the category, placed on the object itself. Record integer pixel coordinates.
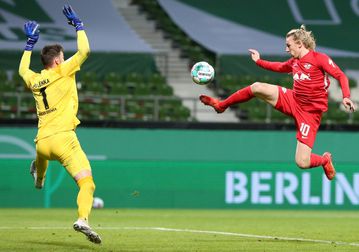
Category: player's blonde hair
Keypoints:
(306, 37)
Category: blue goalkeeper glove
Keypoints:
(32, 33)
(72, 18)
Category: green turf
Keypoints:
(50, 230)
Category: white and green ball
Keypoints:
(98, 203)
(202, 73)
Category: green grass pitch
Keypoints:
(181, 230)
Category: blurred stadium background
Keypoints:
(150, 142)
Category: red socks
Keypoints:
(241, 95)
(316, 160)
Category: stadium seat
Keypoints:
(165, 113)
(165, 90)
(112, 111)
(156, 78)
(352, 83)
(94, 87)
(113, 77)
(246, 80)
(134, 78)
(285, 82)
(142, 89)
(27, 104)
(254, 111)
(258, 111)
(335, 114)
(8, 105)
(118, 88)
(134, 111)
(277, 116)
(88, 76)
(355, 118)
(189, 48)
(181, 113)
(18, 81)
(7, 85)
(3, 76)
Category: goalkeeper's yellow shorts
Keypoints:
(64, 147)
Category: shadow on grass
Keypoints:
(69, 245)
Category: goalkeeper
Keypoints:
(55, 94)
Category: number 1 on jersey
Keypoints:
(44, 99)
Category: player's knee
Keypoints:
(92, 185)
(87, 183)
(257, 88)
(302, 163)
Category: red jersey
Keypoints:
(311, 82)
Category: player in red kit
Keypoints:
(306, 102)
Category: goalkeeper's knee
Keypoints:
(87, 183)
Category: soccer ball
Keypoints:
(202, 73)
(97, 203)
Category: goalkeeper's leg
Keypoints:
(78, 166)
(84, 202)
(85, 197)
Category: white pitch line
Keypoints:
(195, 231)
(244, 235)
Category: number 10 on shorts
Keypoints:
(304, 129)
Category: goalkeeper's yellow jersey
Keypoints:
(55, 91)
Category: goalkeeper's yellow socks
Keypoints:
(85, 197)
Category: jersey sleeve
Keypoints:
(73, 64)
(282, 67)
(331, 68)
(24, 68)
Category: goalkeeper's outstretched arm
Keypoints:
(24, 66)
(83, 47)
(32, 32)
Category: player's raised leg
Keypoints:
(328, 166)
(38, 169)
(267, 92)
(305, 159)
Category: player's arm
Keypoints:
(282, 67)
(83, 47)
(32, 33)
(334, 70)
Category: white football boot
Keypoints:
(38, 184)
(82, 226)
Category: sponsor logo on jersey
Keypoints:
(307, 66)
(301, 76)
(47, 111)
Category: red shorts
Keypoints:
(307, 123)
